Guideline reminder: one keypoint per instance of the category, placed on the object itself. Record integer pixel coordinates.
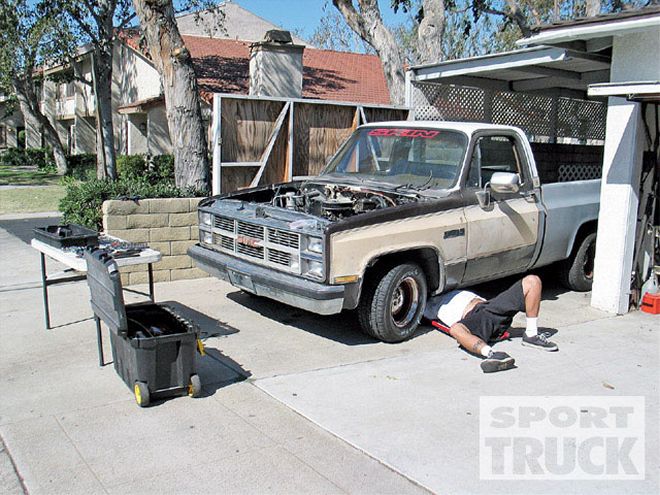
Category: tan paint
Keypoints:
(510, 225)
(352, 250)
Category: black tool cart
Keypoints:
(153, 349)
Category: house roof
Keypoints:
(233, 22)
(223, 66)
(601, 26)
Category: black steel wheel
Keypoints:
(392, 306)
(577, 272)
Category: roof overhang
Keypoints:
(644, 91)
(541, 69)
(597, 29)
(141, 106)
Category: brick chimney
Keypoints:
(276, 66)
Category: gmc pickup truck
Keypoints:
(402, 211)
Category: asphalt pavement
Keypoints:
(292, 402)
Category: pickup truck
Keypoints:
(402, 211)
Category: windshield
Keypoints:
(406, 157)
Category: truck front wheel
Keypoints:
(391, 307)
(577, 272)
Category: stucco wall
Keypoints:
(635, 56)
(11, 123)
(159, 134)
(167, 225)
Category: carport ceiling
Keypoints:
(545, 70)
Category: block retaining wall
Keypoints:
(167, 225)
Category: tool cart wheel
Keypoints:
(195, 386)
(141, 391)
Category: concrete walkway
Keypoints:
(292, 403)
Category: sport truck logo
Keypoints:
(248, 241)
(411, 133)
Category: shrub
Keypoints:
(42, 158)
(83, 200)
(162, 168)
(82, 167)
(131, 166)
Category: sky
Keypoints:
(304, 15)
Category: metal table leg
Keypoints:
(151, 281)
(44, 285)
(99, 340)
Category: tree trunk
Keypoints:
(430, 32)
(368, 25)
(29, 104)
(184, 114)
(517, 15)
(105, 139)
(593, 8)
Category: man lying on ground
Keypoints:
(474, 321)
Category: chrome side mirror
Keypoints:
(505, 182)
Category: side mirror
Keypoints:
(483, 197)
(505, 182)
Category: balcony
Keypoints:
(65, 109)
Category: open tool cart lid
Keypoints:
(107, 297)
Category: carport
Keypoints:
(559, 90)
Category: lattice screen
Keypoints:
(571, 172)
(540, 117)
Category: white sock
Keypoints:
(485, 350)
(532, 327)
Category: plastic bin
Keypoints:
(153, 348)
(68, 235)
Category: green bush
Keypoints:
(162, 168)
(131, 166)
(82, 167)
(42, 158)
(83, 200)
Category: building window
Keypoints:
(3, 136)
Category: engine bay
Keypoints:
(336, 201)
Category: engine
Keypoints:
(335, 202)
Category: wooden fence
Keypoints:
(263, 140)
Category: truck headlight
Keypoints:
(205, 218)
(315, 245)
(313, 269)
(206, 237)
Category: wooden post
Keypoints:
(288, 169)
(271, 143)
(217, 144)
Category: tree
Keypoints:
(443, 29)
(95, 23)
(184, 116)
(26, 35)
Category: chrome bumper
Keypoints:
(263, 281)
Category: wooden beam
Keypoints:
(364, 117)
(271, 143)
(216, 186)
(241, 164)
(288, 168)
(550, 71)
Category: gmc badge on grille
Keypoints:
(248, 241)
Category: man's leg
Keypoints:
(532, 288)
(494, 361)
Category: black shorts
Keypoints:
(488, 320)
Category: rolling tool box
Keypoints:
(153, 349)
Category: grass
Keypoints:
(30, 199)
(11, 176)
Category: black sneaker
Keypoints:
(497, 361)
(540, 341)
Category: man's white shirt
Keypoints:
(449, 307)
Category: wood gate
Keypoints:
(264, 140)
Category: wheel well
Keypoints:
(426, 258)
(584, 230)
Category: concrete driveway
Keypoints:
(293, 402)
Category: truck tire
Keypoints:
(577, 272)
(391, 307)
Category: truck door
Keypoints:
(502, 237)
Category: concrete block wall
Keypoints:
(168, 225)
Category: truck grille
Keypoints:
(265, 245)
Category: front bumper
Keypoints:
(296, 291)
